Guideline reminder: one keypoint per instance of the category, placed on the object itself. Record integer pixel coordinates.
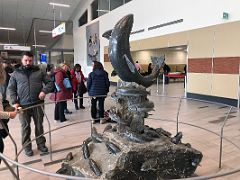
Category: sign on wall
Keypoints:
(59, 30)
(17, 48)
(93, 44)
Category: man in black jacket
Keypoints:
(26, 89)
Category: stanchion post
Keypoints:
(179, 106)
(163, 86)
(221, 137)
(14, 143)
(157, 85)
(50, 134)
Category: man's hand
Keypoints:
(16, 105)
(12, 114)
(42, 95)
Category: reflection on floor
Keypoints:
(192, 113)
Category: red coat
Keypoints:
(74, 80)
(64, 93)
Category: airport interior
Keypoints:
(119, 89)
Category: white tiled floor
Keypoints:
(195, 113)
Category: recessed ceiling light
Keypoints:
(8, 28)
(58, 4)
(37, 45)
(45, 31)
(102, 10)
(6, 44)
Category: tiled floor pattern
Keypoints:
(192, 113)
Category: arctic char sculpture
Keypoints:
(131, 149)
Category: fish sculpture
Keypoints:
(120, 57)
(112, 148)
(85, 150)
(94, 167)
(177, 138)
(96, 137)
(69, 157)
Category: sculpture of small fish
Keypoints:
(94, 167)
(112, 148)
(85, 150)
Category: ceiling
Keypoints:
(24, 15)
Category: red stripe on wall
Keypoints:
(200, 65)
(106, 59)
(221, 65)
(226, 65)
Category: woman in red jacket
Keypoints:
(63, 93)
(79, 87)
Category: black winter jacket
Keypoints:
(98, 83)
(25, 85)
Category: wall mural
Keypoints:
(93, 44)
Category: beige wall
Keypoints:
(172, 56)
(199, 83)
(225, 85)
(209, 42)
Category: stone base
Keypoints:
(158, 159)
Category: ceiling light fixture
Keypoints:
(45, 31)
(102, 10)
(37, 45)
(8, 28)
(4, 44)
(58, 4)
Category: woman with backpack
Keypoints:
(64, 91)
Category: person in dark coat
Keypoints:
(66, 110)
(63, 94)
(4, 116)
(26, 89)
(149, 68)
(8, 70)
(166, 70)
(79, 88)
(98, 87)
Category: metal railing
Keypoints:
(177, 121)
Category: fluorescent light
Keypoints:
(58, 4)
(8, 28)
(4, 44)
(102, 10)
(37, 45)
(45, 31)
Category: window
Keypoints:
(101, 7)
(94, 7)
(115, 4)
(83, 19)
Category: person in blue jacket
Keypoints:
(98, 87)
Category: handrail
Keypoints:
(15, 147)
(221, 137)
(177, 121)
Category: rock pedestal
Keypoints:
(132, 150)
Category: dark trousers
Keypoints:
(100, 101)
(59, 111)
(76, 100)
(1, 146)
(25, 119)
(166, 79)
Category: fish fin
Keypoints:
(130, 64)
(107, 34)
